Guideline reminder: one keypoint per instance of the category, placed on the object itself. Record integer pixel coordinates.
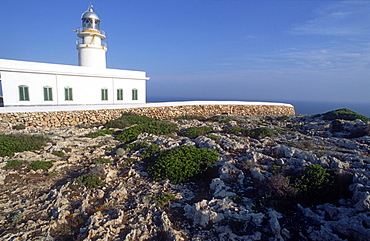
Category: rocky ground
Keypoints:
(230, 201)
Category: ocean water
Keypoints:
(301, 107)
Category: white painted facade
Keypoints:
(41, 84)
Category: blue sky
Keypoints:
(272, 50)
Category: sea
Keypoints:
(301, 107)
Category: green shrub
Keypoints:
(17, 218)
(154, 127)
(13, 164)
(217, 139)
(100, 133)
(136, 146)
(40, 165)
(129, 135)
(128, 119)
(302, 144)
(191, 117)
(152, 149)
(178, 165)
(163, 199)
(314, 185)
(283, 118)
(260, 132)
(19, 127)
(67, 149)
(101, 160)
(159, 127)
(90, 181)
(235, 130)
(222, 119)
(344, 114)
(58, 153)
(194, 132)
(9, 144)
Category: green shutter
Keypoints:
(26, 95)
(21, 95)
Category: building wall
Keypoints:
(86, 84)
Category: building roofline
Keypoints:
(71, 70)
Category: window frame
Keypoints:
(48, 93)
(135, 94)
(23, 92)
(68, 93)
(104, 94)
(120, 94)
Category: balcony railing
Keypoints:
(102, 32)
(80, 41)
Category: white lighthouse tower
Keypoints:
(91, 49)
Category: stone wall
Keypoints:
(72, 118)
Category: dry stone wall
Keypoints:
(88, 117)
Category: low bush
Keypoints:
(159, 127)
(40, 165)
(314, 184)
(67, 149)
(179, 165)
(13, 164)
(222, 119)
(154, 127)
(344, 114)
(136, 146)
(58, 153)
(150, 151)
(217, 139)
(9, 144)
(128, 119)
(283, 118)
(260, 132)
(101, 160)
(100, 133)
(235, 130)
(19, 127)
(90, 181)
(163, 199)
(194, 132)
(129, 135)
(191, 117)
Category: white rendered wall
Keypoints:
(85, 82)
(91, 56)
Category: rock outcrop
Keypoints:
(231, 201)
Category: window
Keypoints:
(23, 93)
(134, 94)
(104, 94)
(48, 93)
(119, 94)
(68, 95)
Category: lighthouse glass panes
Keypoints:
(48, 93)
(134, 94)
(23, 93)
(68, 94)
(90, 23)
(104, 94)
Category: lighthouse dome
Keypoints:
(90, 20)
(89, 13)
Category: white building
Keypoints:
(91, 83)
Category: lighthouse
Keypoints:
(26, 83)
(91, 48)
